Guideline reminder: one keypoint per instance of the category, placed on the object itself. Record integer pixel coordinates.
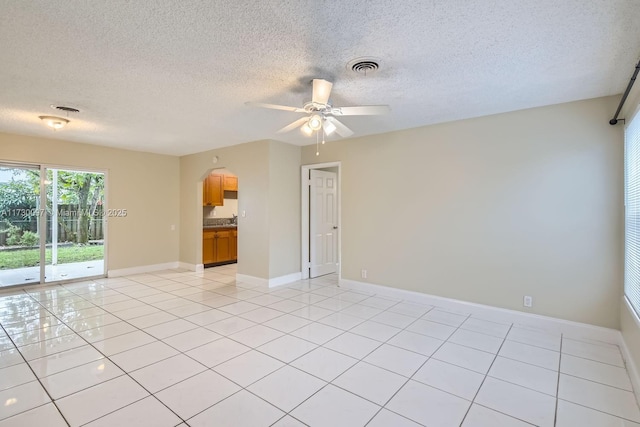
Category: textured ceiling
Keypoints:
(172, 76)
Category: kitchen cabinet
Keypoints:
(230, 183)
(234, 244)
(223, 246)
(219, 245)
(208, 247)
(213, 190)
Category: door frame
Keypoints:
(304, 219)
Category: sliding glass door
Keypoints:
(75, 224)
(52, 224)
(20, 222)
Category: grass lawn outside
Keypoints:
(68, 254)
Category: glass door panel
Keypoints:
(20, 218)
(75, 224)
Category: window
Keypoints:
(632, 212)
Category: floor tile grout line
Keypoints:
(594, 382)
(507, 338)
(125, 373)
(131, 403)
(415, 319)
(286, 364)
(105, 356)
(555, 410)
(505, 414)
(594, 342)
(319, 319)
(41, 385)
(593, 360)
(598, 410)
(2, 420)
(285, 416)
(414, 373)
(485, 377)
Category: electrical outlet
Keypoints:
(528, 301)
(173, 227)
(363, 274)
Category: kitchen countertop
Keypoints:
(213, 227)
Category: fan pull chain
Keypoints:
(322, 135)
(317, 144)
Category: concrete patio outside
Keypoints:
(53, 273)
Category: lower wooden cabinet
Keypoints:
(208, 247)
(223, 246)
(219, 245)
(234, 244)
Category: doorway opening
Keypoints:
(219, 218)
(52, 224)
(321, 218)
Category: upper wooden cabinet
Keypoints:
(213, 190)
(230, 183)
(214, 186)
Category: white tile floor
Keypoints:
(198, 349)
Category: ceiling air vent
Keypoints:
(365, 66)
(65, 109)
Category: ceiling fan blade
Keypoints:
(321, 91)
(341, 129)
(292, 126)
(362, 110)
(275, 107)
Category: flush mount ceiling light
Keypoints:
(54, 122)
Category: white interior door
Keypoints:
(323, 223)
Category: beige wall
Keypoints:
(491, 209)
(227, 210)
(284, 209)
(144, 184)
(250, 162)
(269, 236)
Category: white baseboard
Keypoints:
(252, 280)
(198, 268)
(632, 368)
(574, 329)
(142, 269)
(286, 279)
(270, 283)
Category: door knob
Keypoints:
(335, 227)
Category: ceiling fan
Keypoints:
(320, 115)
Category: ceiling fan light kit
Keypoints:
(315, 122)
(306, 129)
(329, 128)
(321, 115)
